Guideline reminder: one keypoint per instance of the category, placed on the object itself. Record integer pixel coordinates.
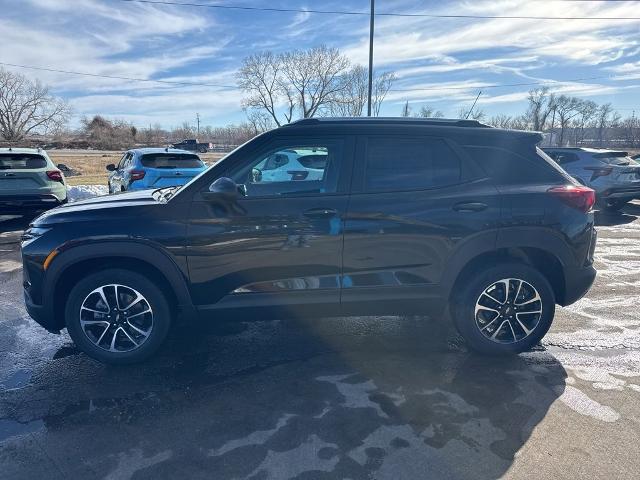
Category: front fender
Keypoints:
(148, 252)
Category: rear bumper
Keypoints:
(622, 192)
(578, 281)
(18, 204)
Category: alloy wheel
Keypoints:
(508, 310)
(116, 318)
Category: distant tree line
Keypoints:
(565, 120)
(280, 88)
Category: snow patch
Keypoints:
(81, 192)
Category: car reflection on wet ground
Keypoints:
(363, 397)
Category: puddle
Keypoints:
(17, 380)
(11, 428)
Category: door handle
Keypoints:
(321, 212)
(470, 207)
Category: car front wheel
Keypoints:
(504, 309)
(117, 316)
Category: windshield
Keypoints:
(22, 161)
(171, 160)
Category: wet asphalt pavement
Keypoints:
(363, 397)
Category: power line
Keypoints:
(381, 14)
(216, 85)
(116, 77)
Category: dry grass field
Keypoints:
(91, 164)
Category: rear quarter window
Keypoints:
(22, 161)
(508, 167)
(171, 160)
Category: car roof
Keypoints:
(37, 151)
(386, 120)
(159, 150)
(462, 129)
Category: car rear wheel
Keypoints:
(504, 309)
(117, 316)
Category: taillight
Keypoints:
(55, 175)
(137, 175)
(599, 172)
(576, 196)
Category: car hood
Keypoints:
(100, 208)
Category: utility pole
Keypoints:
(371, 24)
(198, 123)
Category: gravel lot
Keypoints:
(374, 397)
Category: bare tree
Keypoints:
(429, 112)
(475, 114)
(259, 120)
(501, 121)
(541, 105)
(314, 76)
(306, 81)
(603, 120)
(587, 113)
(350, 100)
(28, 107)
(406, 110)
(566, 108)
(381, 86)
(261, 78)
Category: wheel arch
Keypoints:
(542, 248)
(72, 264)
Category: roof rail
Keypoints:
(448, 122)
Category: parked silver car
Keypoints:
(613, 174)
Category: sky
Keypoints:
(442, 63)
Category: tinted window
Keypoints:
(21, 161)
(508, 167)
(292, 169)
(397, 163)
(171, 160)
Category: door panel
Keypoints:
(398, 243)
(268, 248)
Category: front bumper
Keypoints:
(19, 204)
(39, 313)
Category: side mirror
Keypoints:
(256, 175)
(111, 167)
(224, 188)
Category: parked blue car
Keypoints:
(146, 168)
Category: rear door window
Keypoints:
(171, 160)
(22, 161)
(410, 163)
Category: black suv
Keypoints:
(325, 217)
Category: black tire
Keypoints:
(154, 298)
(463, 308)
